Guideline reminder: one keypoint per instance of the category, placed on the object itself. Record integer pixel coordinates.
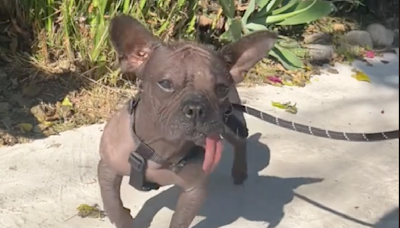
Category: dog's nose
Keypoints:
(194, 110)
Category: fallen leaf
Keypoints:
(361, 76)
(39, 128)
(66, 102)
(288, 107)
(288, 83)
(339, 27)
(204, 21)
(369, 54)
(274, 79)
(278, 105)
(332, 71)
(291, 109)
(85, 210)
(25, 127)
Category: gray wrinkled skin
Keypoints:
(185, 88)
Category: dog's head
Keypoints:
(184, 84)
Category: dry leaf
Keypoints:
(361, 76)
(66, 102)
(94, 211)
(25, 127)
(288, 83)
(339, 27)
(287, 106)
(369, 54)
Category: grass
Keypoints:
(53, 51)
(56, 50)
(72, 35)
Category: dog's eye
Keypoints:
(166, 85)
(222, 90)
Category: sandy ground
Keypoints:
(295, 180)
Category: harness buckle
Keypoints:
(137, 177)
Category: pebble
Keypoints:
(318, 38)
(359, 37)
(381, 37)
(320, 53)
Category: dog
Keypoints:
(170, 133)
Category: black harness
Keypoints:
(142, 153)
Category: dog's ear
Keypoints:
(133, 43)
(243, 54)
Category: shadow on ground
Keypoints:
(30, 99)
(382, 73)
(31, 104)
(390, 220)
(261, 198)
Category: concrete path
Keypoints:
(295, 180)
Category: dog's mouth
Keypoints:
(213, 147)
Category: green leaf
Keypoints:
(289, 4)
(361, 76)
(287, 58)
(234, 31)
(288, 43)
(266, 9)
(300, 8)
(299, 52)
(262, 3)
(228, 7)
(318, 10)
(272, 5)
(250, 9)
(288, 107)
(255, 27)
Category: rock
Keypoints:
(359, 38)
(318, 38)
(320, 53)
(381, 37)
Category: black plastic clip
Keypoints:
(137, 177)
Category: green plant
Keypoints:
(263, 14)
(76, 31)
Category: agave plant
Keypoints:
(262, 14)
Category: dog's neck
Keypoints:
(146, 127)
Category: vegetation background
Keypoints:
(57, 67)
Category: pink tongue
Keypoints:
(213, 153)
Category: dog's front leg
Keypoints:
(188, 206)
(239, 167)
(110, 183)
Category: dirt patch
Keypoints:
(33, 109)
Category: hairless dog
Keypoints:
(169, 134)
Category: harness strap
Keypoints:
(143, 153)
(149, 154)
(143, 149)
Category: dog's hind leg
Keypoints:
(188, 206)
(110, 183)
